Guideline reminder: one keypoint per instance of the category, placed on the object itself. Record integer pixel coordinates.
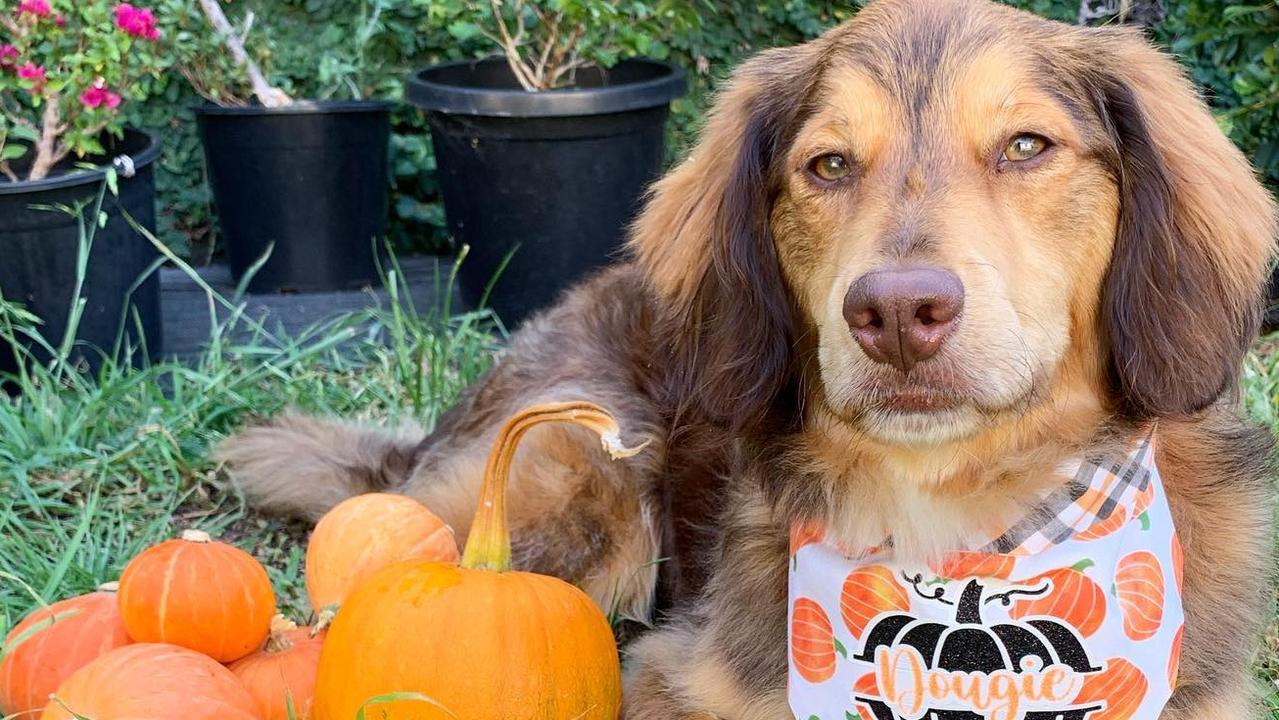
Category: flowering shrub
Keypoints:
(65, 68)
(545, 41)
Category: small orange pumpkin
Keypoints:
(1139, 585)
(1178, 563)
(867, 686)
(1174, 657)
(149, 681)
(364, 534)
(868, 592)
(804, 533)
(51, 643)
(281, 675)
(966, 564)
(812, 643)
(1142, 500)
(1121, 686)
(1074, 597)
(204, 595)
(476, 641)
(1104, 528)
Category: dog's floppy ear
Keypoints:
(704, 242)
(1182, 299)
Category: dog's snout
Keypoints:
(902, 316)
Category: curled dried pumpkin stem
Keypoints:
(196, 536)
(488, 545)
(324, 618)
(109, 587)
(278, 640)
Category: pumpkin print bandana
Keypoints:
(1072, 614)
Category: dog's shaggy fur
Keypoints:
(1111, 282)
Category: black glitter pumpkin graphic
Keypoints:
(971, 646)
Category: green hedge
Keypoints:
(313, 48)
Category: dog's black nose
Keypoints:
(901, 316)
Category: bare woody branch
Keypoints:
(511, 48)
(267, 94)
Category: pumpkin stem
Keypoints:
(196, 536)
(278, 640)
(324, 618)
(488, 545)
(1082, 565)
(970, 604)
(109, 587)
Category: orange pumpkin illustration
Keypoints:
(1074, 598)
(804, 533)
(868, 592)
(1102, 528)
(1141, 503)
(1178, 562)
(812, 641)
(965, 564)
(1139, 585)
(866, 686)
(1121, 686)
(1174, 658)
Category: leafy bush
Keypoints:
(307, 47)
(1232, 51)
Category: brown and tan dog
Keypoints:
(909, 267)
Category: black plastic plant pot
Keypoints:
(548, 180)
(308, 182)
(39, 253)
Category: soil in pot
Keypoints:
(545, 183)
(307, 181)
(38, 256)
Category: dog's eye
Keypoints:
(1025, 147)
(831, 167)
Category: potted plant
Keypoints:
(545, 151)
(302, 183)
(66, 69)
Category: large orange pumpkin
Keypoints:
(152, 682)
(868, 592)
(812, 641)
(479, 641)
(51, 643)
(200, 594)
(281, 676)
(365, 534)
(1074, 597)
(1139, 585)
(1121, 686)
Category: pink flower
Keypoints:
(34, 74)
(60, 20)
(138, 22)
(99, 96)
(36, 8)
(8, 56)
